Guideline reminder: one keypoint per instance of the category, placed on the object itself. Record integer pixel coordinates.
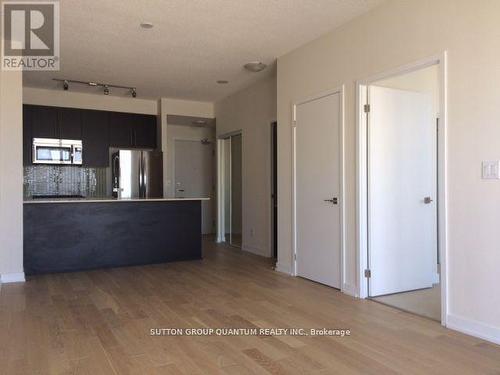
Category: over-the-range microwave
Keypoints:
(57, 151)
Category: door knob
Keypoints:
(333, 200)
(428, 200)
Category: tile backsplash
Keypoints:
(65, 180)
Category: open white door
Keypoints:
(402, 188)
(317, 190)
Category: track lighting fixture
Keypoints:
(106, 86)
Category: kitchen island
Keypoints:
(83, 234)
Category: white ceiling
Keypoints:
(193, 44)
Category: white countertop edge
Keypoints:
(41, 201)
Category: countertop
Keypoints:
(110, 200)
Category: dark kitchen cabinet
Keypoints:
(120, 129)
(144, 131)
(95, 137)
(44, 121)
(27, 136)
(70, 123)
(132, 130)
(55, 122)
(99, 130)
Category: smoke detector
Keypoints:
(255, 66)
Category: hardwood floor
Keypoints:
(99, 322)
(424, 302)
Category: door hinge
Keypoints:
(368, 274)
(367, 108)
(295, 256)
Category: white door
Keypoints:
(318, 214)
(194, 176)
(402, 189)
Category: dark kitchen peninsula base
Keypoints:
(63, 237)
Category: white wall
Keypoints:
(252, 110)
(11, 177)
(72, 99)
(392, 35)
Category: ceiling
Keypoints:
(193, 42)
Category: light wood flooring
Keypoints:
(98, 322)
(425, 302)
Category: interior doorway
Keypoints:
(403, 198)
(230, 185)
(318, 188)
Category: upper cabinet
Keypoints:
(95, 138)
(99, 130)
(144, 131)
(131, 130)
(120, 129)
(55, 122)
(70, 123)
(44, 123)
(27, 135)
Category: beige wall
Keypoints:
(169, 106)
(186, 133)
(11, 177)
(395, 34)
(252, 110)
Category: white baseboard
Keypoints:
(280, 268)
(473, 328)
(349, 289)
(16, 277)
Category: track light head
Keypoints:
(133, 91)
(65, 85)
(106, 90)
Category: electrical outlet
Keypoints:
(491, 170)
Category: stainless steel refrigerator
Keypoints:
(137, 174)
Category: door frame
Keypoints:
(221, 177)
(362, 172)
(273, 238)
(338, 90)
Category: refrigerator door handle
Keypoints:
(140, 176)
(143, 173)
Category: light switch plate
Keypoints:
(491, 170)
